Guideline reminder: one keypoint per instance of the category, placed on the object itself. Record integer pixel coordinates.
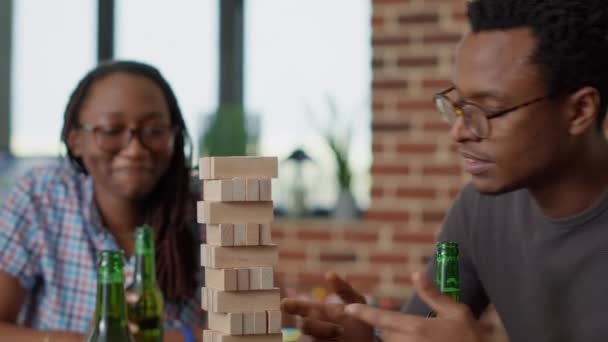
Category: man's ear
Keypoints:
(74, 142)
(584, 110)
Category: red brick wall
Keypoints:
(416, 173)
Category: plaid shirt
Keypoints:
(50, 235)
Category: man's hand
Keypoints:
(454, 321)
(329, 322)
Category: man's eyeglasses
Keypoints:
(476, 118)
(110, 139)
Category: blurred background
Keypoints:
(339, 90)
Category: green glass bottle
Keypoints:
(111, 311)
(446, 275)
(147, 312)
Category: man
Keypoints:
(526, 111)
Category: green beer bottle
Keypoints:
(111, 310)
(147, 312)
(446, 274)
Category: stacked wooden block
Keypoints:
(239, 294)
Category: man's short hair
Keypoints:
(572, 39)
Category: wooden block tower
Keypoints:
(239, 294)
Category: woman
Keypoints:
(128, 164)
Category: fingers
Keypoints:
(344, 290)
(298, 307)
(131, 297)
(440, 303)
(133, 328)
(384, 319)
(320, 329)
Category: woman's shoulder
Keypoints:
(57, 177)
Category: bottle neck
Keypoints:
(111, 305)
(447, 276)
(145, 269)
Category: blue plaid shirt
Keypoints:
(50, 235)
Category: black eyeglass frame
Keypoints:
(459, 111)
(133, 132)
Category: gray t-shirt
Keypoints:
(547, 278)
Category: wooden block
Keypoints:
(241, 167)
(255, 277)
(239, 189)
(260, 321)
(227, 323)
(267, 278)
(234, 212)
(221, 279)
(242, 276)
(261, 278)
(265, 190)
(217, 190)
(204, 168)
(208, 336)
(253, 234)
(240, 234)
(216, 336)
(265, 234)
(248, 323)
(246, 301)
(220, 234)
(238, 257)
(204, 299)
(253, 190)
(274, 322)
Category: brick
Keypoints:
(414, 237)
(378, 105)
(460, 16)
(387, 216)
(449, 170)
(437, 84)
(309, 235)
(390, 126)
(363, 282)
(417, 61)
(453, 193)
(390, 2)
(441, 38)
(433, 216)
(377, 20)
(416, 148)
(390, 41)
(291, 255)
(390, 170)
(436, 127)
(277, 235)
(416, 105)
(311, 279)
(419, 18)
(377, 63)
(390, 85)
(377, 148)
(401, 279)
(337, 257)
(416, 193)
(361, 236)
(388, 258)
(377, 192)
